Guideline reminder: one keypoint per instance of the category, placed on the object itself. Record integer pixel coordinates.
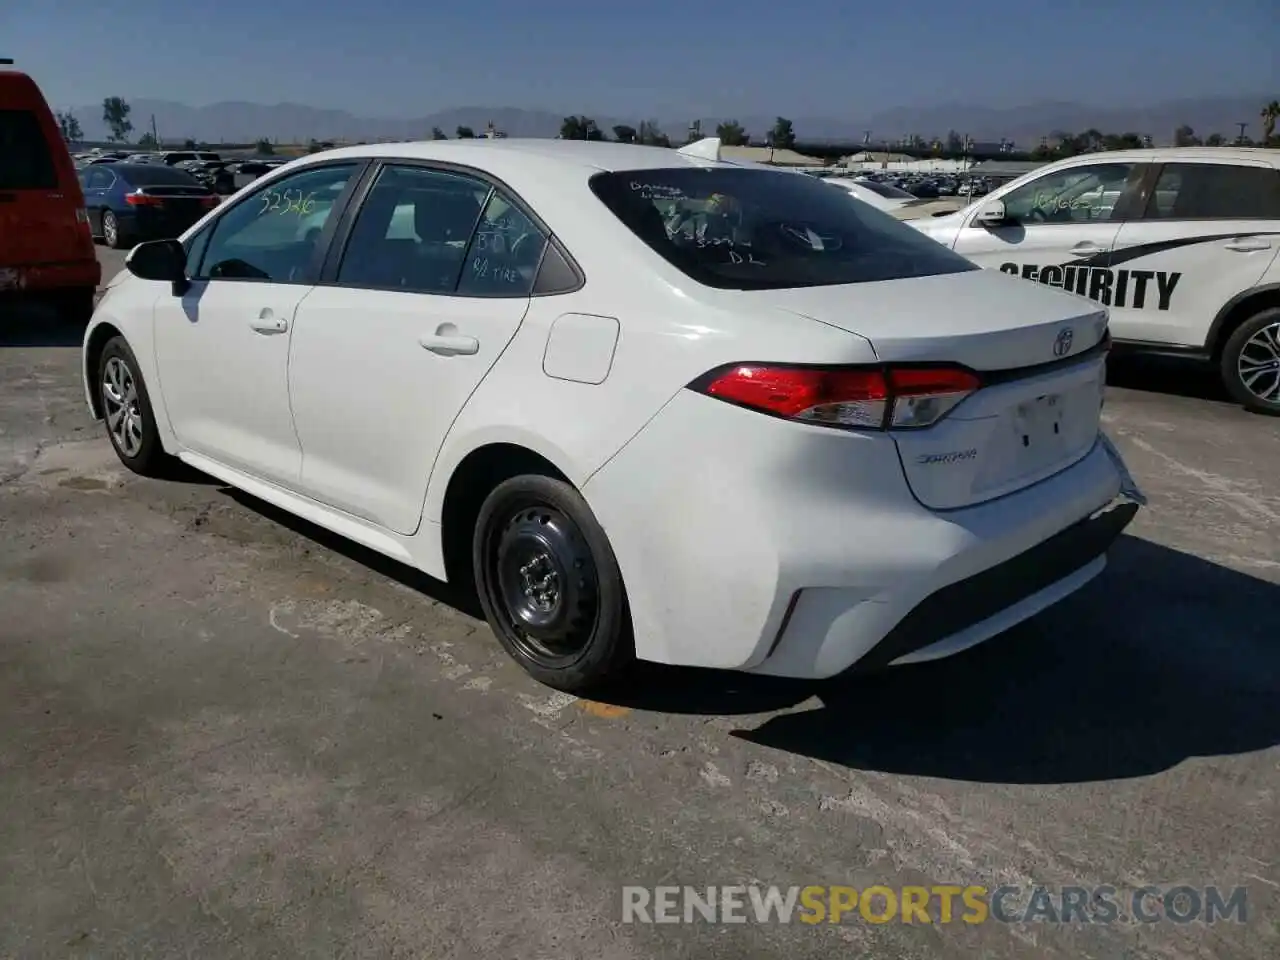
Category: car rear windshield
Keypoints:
(761, 229)
(885, 190)
(157, 176)
(25, 160)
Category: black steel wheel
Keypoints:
(549, 583)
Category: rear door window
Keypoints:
(413, 230)
(26, 162)
(757, 229)
(1215, 191)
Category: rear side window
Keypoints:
(26, 162)
(1215, 191)
(757, 230)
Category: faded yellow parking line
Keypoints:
(606, 711)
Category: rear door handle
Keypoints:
(1247, 245)
(447, 342)
(1087, 249)
(267, 322)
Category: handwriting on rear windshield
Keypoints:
(656, 191)
(286, 202)
(738, 251)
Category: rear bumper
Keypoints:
(969, 611)
(161, 224)
(50, 277)
(752, 543)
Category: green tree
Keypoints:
(1270, 113)
(115, 114)
(1184, 136)
(624, 134)
(783, 134)
(148, 142)
(651, 135)
(1093, 140)
(438, 134)
(314, 146)
(580, 128)
(1215, 140)
(465, 133)
(189, 144)
(731, 133)
(265, 147)
(70, 126)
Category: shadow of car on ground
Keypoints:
(37, 325)
(1162, 658)
(1176, 376)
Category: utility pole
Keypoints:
(155, 140)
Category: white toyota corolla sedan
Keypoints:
(647, 403)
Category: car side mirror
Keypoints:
(991, 214)
(163, 260)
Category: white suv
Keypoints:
(1181, 244)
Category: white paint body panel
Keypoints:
(580, 348)
(718, 515)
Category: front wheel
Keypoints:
(549, 584)
(1250, 363)
(126, 408)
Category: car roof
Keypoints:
(581, 154)
(1174, 154)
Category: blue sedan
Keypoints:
(132, 202)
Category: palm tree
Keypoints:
(1268, 116)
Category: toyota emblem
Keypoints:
(1062, 345)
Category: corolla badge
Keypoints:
(1062, 345)
(951, 456)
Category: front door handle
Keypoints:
(267, 322)
(1087, 249)
(1247, 245)
(447, 342)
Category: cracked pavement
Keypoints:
(224, 733)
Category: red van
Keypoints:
(46, 250)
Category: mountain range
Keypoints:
(233, 121)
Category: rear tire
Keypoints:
(1250, 364)
(127, 411)
(112, 235)
(550, 585)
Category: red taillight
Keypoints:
(210, 201)
(868, 397)
(142, 200)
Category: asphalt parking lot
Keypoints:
(225, 733)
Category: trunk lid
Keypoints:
(1038, 352)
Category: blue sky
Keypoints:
(650, 58)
